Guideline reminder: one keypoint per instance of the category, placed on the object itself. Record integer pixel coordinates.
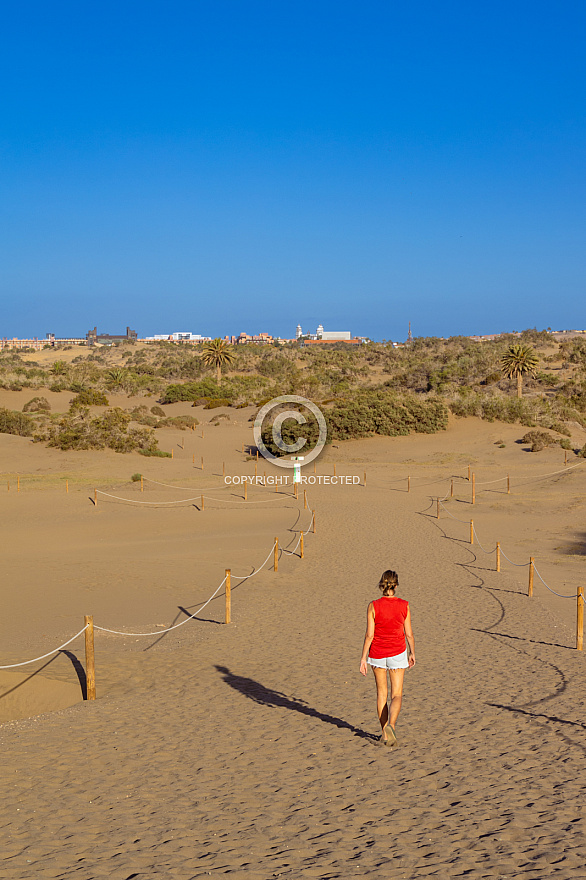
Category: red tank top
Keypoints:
(389, 621)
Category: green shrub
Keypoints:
(158, 411)
(79, 430)
(141, 415)
(214, 403)
(37, 404)
(136, 478)
(182, 422)
(384, 412)
(530, 411)
(539, 440)
(15, 423)
(582, 452)
(158, 452)
(560, 428)
(89, 397)
(566, 444)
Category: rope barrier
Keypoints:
(246, 577)
(54, 651)
(184, 488)
(161, 632)
(195, 498)
(489, 482)
(243, 501)
(132, 501)
(517, 564)
(452, 515)
(561, 595)
(488, 552)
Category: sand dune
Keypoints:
(251, 750)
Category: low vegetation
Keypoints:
(371, 389)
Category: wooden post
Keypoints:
(18, 484)
(437, 510)
(257, 454)
(565, 456)
(473, 488)
(276, 555)
(580, 619)
(508, 485)
(498, 555)
(334, 470)
(141, 484)
(202, 462)
(255, 467)
(452, 489)
(246, 490)
(365, 478)
(90, 663)
(305, 499)
(8, 485)
(301, 546)
(183, 443)
(295, 490)
(408, 484)
(313, 521)
(243, 449)
(172, 451)
(469, 471)
(471, 531)
(228, 616)
(202, 433)
(193, 458)
(67, 486)
(276, 484)
(531, 570)
(95, 497)
(202, 503)
(223, 468)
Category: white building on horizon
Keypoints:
(179, 336)
(327, 335)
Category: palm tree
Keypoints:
(519, 360)
(115, 378)
(217, 354)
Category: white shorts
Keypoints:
(399, 661)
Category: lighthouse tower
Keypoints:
(298, 332)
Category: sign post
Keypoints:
(297, 459)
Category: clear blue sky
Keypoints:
(222, 165)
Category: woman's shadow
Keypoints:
(268, 697)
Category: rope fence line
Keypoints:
(48, 654)
(282, 496)
(488, 552)
(517, 564)
(561, 595)
(132, 501)
(460, 478)
(90, 626)
(579, 595)
(161, 632)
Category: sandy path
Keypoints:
(250, 750)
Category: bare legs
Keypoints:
(396, 676)
(380, 676)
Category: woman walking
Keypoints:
(388, 625)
